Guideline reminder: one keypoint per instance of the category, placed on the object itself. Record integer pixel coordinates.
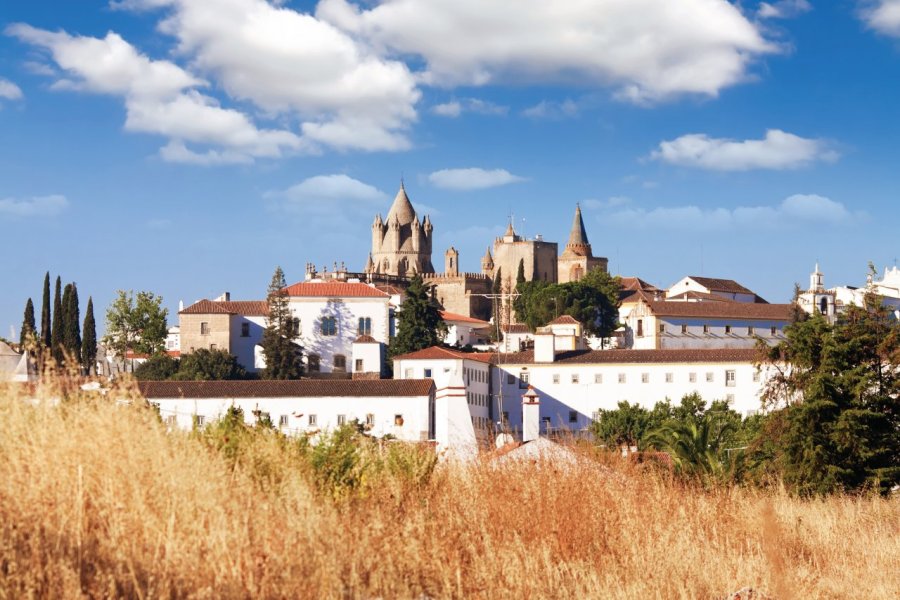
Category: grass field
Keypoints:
(98, 499)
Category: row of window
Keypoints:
(328, 327)
(481, 422)
(284, 420)
(476, 399)
(751, 330)
(475, 375)
(730, 378)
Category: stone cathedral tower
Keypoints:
(577, 258)
(401, 245)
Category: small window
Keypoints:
(427, 373)
(662, 327)
(669, 377)
(683, 329)
(341, 420)
(398, 420)
(705, 328)
(645, 377)
(727, 329)
(692, 378)
(556, 378)
(773, 331)
(729, 378)
(213, 347)
(295, 327)
(546, 422)
(598, 378)
(365, 326)
(370, 419)
(329, 326)
(709, 377)
(510, 379)
(340, 362)
(573, 416)
(312, 420)
(204, 328)
(407, 373)
(199, 421)
(358, 365)
(640, 328)
(283, 420)
(750, 330)
(755, 376)
(245, 329)
(312, 362)
(523, 380)
(730, 399)
(621, 377)
(574, 377)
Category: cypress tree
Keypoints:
(520, 276)
(56, 332)
(26, 339)
(71, 321)
(45, 312)
(89, 344)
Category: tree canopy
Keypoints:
(419, 321)
(284, 357)
(136, 322)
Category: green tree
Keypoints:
(520, 275)
(209, 365)
(419, 321)
(284, 357)
(624, 426)
(158, 367)
(27, 338)
(45, 313)
(136, 323)
(89, 343)
(836, 388)
(56, 334)
(697, 448)
(71, 334)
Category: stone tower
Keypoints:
(487, 262)
(577, 258)
(401, 244)
(451, 262)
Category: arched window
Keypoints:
(312, 363)
(365, 326)
(340, 362)
(329, 326)
(576, 273)
(823, 305)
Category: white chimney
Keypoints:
(531, 416)
(544, 346)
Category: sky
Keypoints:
(188, 147)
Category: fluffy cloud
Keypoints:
(793, 211)
(549, 109)
(778, 150)
(322, 193)
(782, 9)
(472, 178)
(9, 90)
(455, 108)
(648, 49)
(883, 16)
(39, 206)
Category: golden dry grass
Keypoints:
(98, 500)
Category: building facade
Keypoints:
(224, 324)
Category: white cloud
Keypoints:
(551, 109)
(472, 178)
(778, 150)
(794, 211)
(783, 9)
(38, 206)
(648, 49)
(455, 108)
(9, 90)
(325, 191)
(883, 16)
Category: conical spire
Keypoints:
(578, 235)
(402, 209)
(510, 232)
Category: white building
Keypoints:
(223, 324)
(465, 331)
(698, 288)
(330, 316)
(14, 367)
(834, 301)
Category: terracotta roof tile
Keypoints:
(449, 316)
(251, 308)
(636, 283)
(303, 388)
(564, 320)
(721, 310)
(441, 353)
(333, 289)
(365, 339)
(636, 356)
(516, 328)
(721, 285)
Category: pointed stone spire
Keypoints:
(402, 209)
(370, 265)
(578, 240)
(487, 262)
(510, 232)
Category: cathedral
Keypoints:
(401, 245)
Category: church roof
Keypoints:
(402, 208)
(510, 232)
(578, 235)
(329, 289)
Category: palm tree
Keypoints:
(696, 448)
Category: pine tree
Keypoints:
(45, 312)
(71, 322)
(56, 333)
(89, 344)
(284, 358)
(420, 323)
(27, 337)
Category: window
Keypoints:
(370, 419)
(340, 362)
(669, 378)
(312, 420)
(365, 326)
(204, 328)
(407, 373)
(398, 420)
(358, 365)
(774, 331)
(574, 377)
(729, 378)
(427, 373)
(755, 376)
(199, 421)
(312, 362)
(640, 328)
(683, 329)
(645, 377)
(295, 327)
(341, 420)
(709, 376)
(329, 326)
(523, 380)
(662, 327)
(556, 378)
(283, 420)
(730, 399)
(750, 330)
(705, 328)
(213, 347)
(510, 379)
(573, 416)
(692, 378)
(245, 329)
(598, 378)
(621, 377)
(546, 423)
(727, 329)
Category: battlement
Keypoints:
(434, 276)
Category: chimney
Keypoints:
(225, 297)
(531, 416)
(544, 346)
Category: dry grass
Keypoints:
(98, 500)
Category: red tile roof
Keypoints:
(636, 283)
(564, 320)
(516, 328)
(441, 353)
(637, 356)
(333, 289)
(721, 285)
(365, 339)
(449, 316)
(304, 388)
(721, 310)
(250, 308)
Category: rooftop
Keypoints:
(333, 289)
(720, 310)
(250, 308)
(304, 388)
(449, 316)
(720, 355)
(441, 353)
(721, 285)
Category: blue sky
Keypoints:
(187, 147)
